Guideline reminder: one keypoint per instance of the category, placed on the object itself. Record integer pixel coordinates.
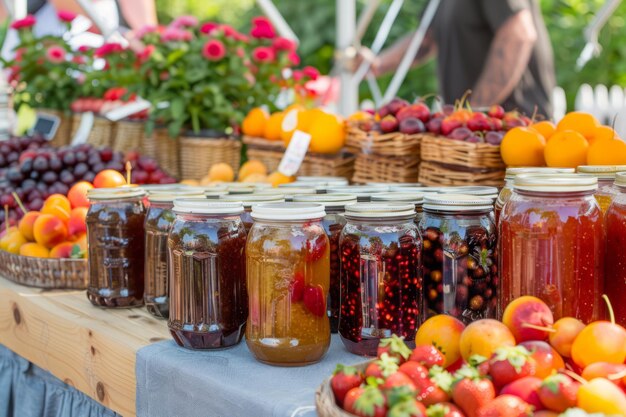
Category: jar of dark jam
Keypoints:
(159, 219)
(398, 197)
(459, 257)
(115, 235)
(615, 269)
(605, 174)
(381, 288)
(208, 297)
(333, 223)
(249, 200)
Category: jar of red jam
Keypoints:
(381, 288)
(397, 197)
(159, 219)
(615, 270)
(552, 244)
(511, 173)
(115, 243)
(606, 177)
(249, 200)
(333, 223)
(288, 264)
(208, 298)
(459, 257)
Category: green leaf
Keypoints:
(406, 408)
(371, 398)
(396, 345)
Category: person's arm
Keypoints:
(138, 13)
(390, 58)
(508, 58)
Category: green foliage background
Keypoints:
(314, 23)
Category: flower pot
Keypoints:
(199, 153)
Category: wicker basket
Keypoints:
(383, 144)
(434, 174)
(325, 399)
(63, 135)
(314, 165)
(164, 149)
(198, 154)
(463, 154)
(262, 143)
(128, 136)
(374, 168)
(44, 272)
(102, 131)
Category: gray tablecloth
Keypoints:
(176, 382)
(28, 391)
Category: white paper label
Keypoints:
(128, 109)
(295, 153)
(84, 128)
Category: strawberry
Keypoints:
(365, 402)
(382, 368)
(398, 379)
(505, 406)
(525, 388)
(296, 287)
(433, 385)
(395, 347)
(314, 300)
(407, 408)
(510, 363)
(444, 410)
(428, 356)
(471, 391)
(344, 379)
(558, 392)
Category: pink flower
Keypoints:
(262, 28)
(214, 50)
(66, 16)
(172, 34)
(84, 48)
(55, 54)
(108, 49)
(230, 32)
(185, 22)
(146, 53)
(263, 54)
(297, 75)
(25, 23)
(311, 72)
(284, 44)
(208, 27)
(77, 59)
(293, 58)
(145, 30)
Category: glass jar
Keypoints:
(552, 244)
(397, 197)
(363, 193)
(333, 222)
(615, 269)
(606, 177)
(459, 264)
(159, 219)
(381, 288)
(288, 264)
(511, 173)
(115, 240)
(249, 200)
(208, 298)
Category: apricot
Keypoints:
(565, 331)
(221, 172)
(109, 178)
(524, 315)
(4, 236)
(35, 250)
(447, 341)
(483, 337)
(547, 359)
(49, 230)
(63, 250)
(77, 224)
(57, 205)
(605, 370)
(26, 224)
(601, 396)
(12, 241)
(78, 194)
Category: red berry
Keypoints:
(296, 287)
(315, 300)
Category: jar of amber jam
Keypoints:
(159, 219)
(511, 173)
(115, 243)
(615, 270)
(459, 263)
(249, 200)
(606, 177)
(288, 266)
(552, 244)
(333, 223)
(208, 298)
(397, 197)
(381, 289)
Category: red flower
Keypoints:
(284, 44)
(230, 32)
(294, 58)
(262, 28)
(172, 34)
(108, 49)
(84, 48)
(208, 27)
(146, 53)
(297, 75)
(214, 50)
(185, 22)
(25, 23)
(263, 54)
(66, 16)
(145, 30)
(311, 72)
(55, 54)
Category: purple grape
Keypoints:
(49, 177)
(13, 157)
(67, 177)
(81, 156)
(89, 176)
(69, 159)
(80, 169)
(494, 138)
(55, 164)
(40, 164)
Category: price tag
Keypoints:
(84, 128)
(295, 153)
(128, 109)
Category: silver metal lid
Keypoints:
(327, 200)
(327, 181)
(402, 189)
(204, 206)
(555, 182)
(287, 211)
(358, 190)
(515, 171)
(457, 202)
(380, 210)
(115, 193)
(394, 184)
(249, 200)
(415, 198)
(605, 172)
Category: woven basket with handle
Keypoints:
(164, 149)
(374, 168)
(434, 174)
(384, 144)
(198, 154)
(325, 399)
(63, 135)
(463, 154)
(128, 136)
(45, 272)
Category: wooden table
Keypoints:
(89, 348)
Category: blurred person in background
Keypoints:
(498, 49)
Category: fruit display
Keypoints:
(251, 171)
(111, 99)
(526, 366)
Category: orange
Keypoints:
(579, 121)
(289, 125)
(254, 123)
(307, 118)
(78, 194)
(328, 134)
(251, 167)
(546, 128)
(57, 205)
(603, 132)
(109, 178)
(607, 152)
(276, 178)
(523, 147)
(566, 149)
(221, 172)
(272, 127)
